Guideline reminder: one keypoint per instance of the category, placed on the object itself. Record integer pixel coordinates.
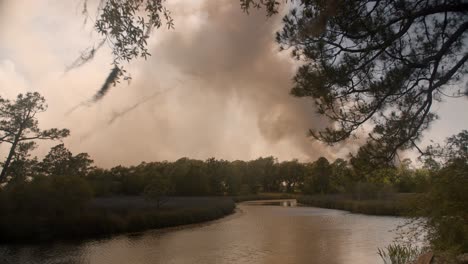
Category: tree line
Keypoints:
(361, 174)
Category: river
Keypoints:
(273, 233)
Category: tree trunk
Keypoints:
(10, 157)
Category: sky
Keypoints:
(215, 86)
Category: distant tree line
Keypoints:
(190, 177)
(362, 175)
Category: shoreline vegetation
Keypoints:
(108, 216)
(399, 205)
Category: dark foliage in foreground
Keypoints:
(94, 221)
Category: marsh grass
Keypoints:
(397, 206)
(112, 217)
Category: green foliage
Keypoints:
(104, 183)
(219, 177)
(456, 147)
(367, 163)
(47, 196)
(399, 254)
(318, 178)
(60, 161)
(157, 189)
(446, 207)
(291, 174)
(340, 176)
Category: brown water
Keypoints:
(254, 234)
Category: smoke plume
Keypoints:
(110, 81)
(234, 103)
(215, 86)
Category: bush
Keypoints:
(446, 207)
(47, 196)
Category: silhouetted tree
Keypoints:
(365, 162)
(18, 124)
(376, 62)
(291, 173)
(22, 166)
(456, 147)
(60, 161)
(318, 179)
(340, 177)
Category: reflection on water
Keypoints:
(255, 234)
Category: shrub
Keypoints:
(399, 254)
(446, 208)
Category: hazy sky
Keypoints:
(215, 86)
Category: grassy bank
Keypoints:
(112, 216)
(397, 206)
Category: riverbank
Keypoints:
(397, 206)
(109, 216)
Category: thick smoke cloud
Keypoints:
(215, 86)
(235, 92)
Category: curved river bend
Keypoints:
(256, 233)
